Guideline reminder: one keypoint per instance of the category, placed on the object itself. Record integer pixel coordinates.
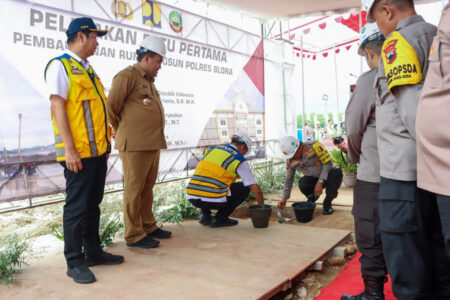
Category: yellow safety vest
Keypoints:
(86, 112)
(215, 172)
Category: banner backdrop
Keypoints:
(211, 83)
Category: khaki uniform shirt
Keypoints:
(309, 164)
(433, 116)
(138, 126)
(361, 131)
(396, 112)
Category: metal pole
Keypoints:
(284, 86)
(303, 90)
(360, 28)
(284, 99)
(281, 32)
(336, 78)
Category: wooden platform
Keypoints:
(198, 262)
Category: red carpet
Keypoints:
(349, 281)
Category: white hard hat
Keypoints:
(242, 137)
(289, 145)
(155, 44)
(370, 32)
(368, 5)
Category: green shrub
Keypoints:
(300, 121)
(110, 224)
(270, 178)
(341, 160)
(321, 119)
(57, 230)
(172, 205)
(11, 258)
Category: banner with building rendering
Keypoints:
(211, 83)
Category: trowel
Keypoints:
(280, 217)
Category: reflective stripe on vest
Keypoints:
(86, 111)
(90, 127)
(215, 172)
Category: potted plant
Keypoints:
(349, 170)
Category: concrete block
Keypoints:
(340, 251)
(302, 292)
(318, 266)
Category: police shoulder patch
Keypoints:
(321, 152)
(401, 63)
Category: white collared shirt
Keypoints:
(57, 79)
(243, 171)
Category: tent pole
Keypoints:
(360, 57)
(284, 85)
(336, 79)
(303, 91)
(284, 99)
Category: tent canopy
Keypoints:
(268, 9)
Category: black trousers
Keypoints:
(239, 193)
(81, 216)
(367, 220)
(332, 185)
(412, 241)
(444, 212)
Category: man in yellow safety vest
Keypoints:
(82, 140)
(213, 184)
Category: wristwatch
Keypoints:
(321, 181)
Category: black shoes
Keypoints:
(361, 296)
(160, 234)
(223, 223)
(327, 211)
(80, 274)
(149, 241)
(373, 289)
(145, 243)
(104, 258)
(205, 219)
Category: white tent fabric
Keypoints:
(267, 9)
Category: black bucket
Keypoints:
(304, 211)
(260, 215)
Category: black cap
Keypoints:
(84, 24)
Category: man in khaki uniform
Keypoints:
(410, 228)
(137, 117)
(433, 144)
(362, 149)
(314, 161)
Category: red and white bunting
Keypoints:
(325, 53)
